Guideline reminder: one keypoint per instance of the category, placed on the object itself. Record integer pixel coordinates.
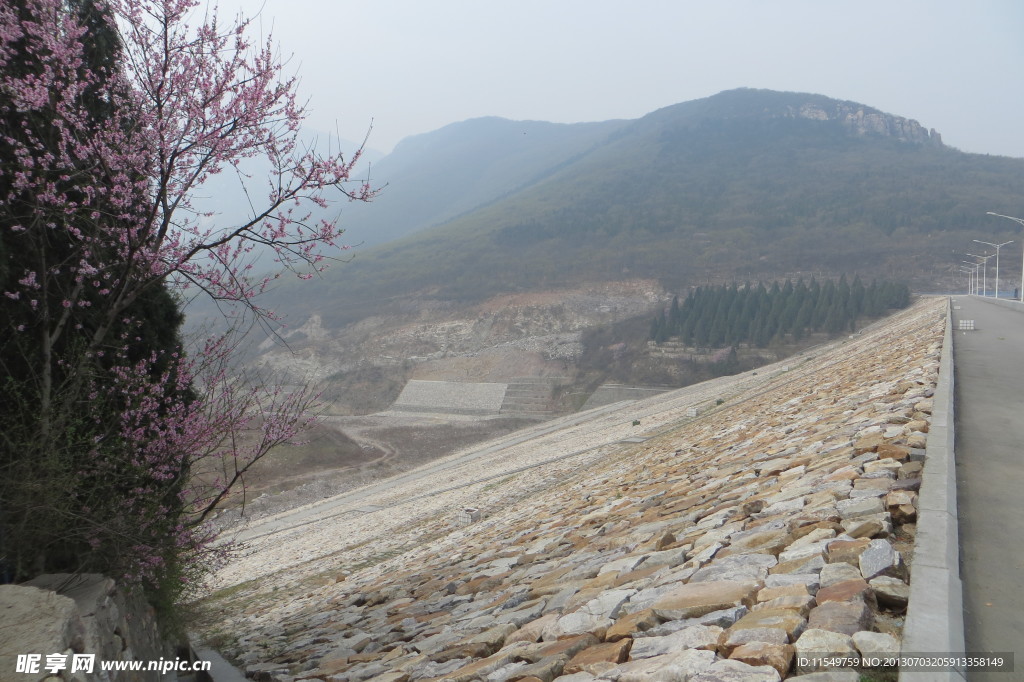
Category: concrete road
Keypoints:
(989, 385)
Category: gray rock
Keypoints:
(837, 573)
(811, 580)
(879, 558)
(645, 598)
(846, 617)
(736, 671)
(890, 592)
(690, 637)
(608, 603)
(876, 644)
(668, 557)
(814, 643)
(850, 509)
(736, 567)
(676, 667)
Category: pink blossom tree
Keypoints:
(117, 444)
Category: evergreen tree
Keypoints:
(36, 362)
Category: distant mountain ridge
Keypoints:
(437, 176)
(751, 104)
(747, 184)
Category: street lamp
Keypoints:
(984, 271)
(996, 247)
(974, 268)
(970, 278)
(1021, 223)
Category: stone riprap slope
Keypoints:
(724, 548)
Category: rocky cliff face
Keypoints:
(861, 120)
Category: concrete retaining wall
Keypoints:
(78, 614)
(450, 397)
(614, 393)
(935, 621)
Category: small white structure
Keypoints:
(691, 412)
(965, 325)
(469, 514)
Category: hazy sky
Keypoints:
(413, 66)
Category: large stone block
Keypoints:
(696, 599)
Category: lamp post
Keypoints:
(1020, 222)
(970, 278)
(984, 271)
(996, 247)
(974, 268)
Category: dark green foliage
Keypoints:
(723, 316)
(65, 467)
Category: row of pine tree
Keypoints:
(721, 316)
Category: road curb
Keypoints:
(935, 622)
(1002, 302)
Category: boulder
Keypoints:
(696, 599)
(846, 617)
(815, 643)
(778, 656)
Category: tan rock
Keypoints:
(476, 669)
(802, 604)
(769, 593)
(893, 451)
(696, 599)
(390, 677)
(807, 564)
(879, 484)
(768, 542)
(566, 648)
(628, 625)
(917, 440)
(778, 656)
(868, 443)
(531, 632)
(598, 656)
(737, 638)
(918, 425)
(847, 551)
(791, 622)
(843, 591)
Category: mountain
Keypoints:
(746, 184)
(431, 178)
(531, 249)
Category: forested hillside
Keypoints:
(745, 185)
(721, 316)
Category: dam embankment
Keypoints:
(734, 530)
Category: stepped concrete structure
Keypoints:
(530, 397)
(451, 397)
(772, 536)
